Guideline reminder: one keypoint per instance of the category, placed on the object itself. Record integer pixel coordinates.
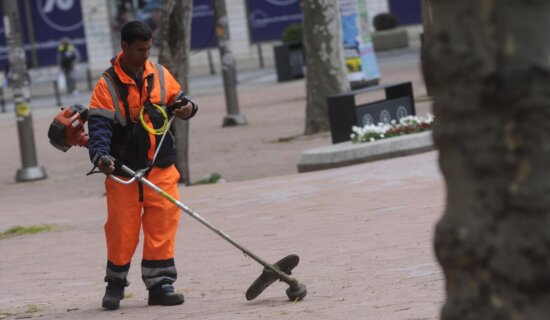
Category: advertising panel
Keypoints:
(203, 24)
(359, 54)
(53, 20)
(49, 21)
(267, 19)
(407, 12)
(203, 20)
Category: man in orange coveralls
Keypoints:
(126, 122)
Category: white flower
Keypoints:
(372, 132)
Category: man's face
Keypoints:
(137, 53)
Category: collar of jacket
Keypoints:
(115, 62)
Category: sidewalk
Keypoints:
(363, 232)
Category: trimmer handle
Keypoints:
(107, 159)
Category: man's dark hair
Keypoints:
(135, 30)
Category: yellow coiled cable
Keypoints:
(152, 130)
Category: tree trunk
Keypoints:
(326, 70)
(174, 55)
(489, 61)
(426, 26)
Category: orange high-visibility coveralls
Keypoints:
(131, 207)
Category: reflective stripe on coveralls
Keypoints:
(160, 221)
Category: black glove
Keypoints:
(182, 100)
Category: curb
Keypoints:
(347, 153)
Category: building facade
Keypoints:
(101, 20)
(98, 21)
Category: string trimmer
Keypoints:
(67, 130)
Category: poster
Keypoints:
(267, 19)
(203, 25)
(359, 54)
(49, 21)
(203, 21)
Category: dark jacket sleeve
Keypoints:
(100, 130)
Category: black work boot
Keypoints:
(113, 294)
(164, 295)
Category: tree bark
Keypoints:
(326, 70)
(489, 62)
(175, 36)
(426, 26)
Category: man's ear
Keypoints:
(124, 45)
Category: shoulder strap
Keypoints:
(150, 85)
(120, 90)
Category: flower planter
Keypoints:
(348, 153)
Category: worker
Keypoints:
(67, 56)
(128, 113)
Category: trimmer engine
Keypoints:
(67, 128)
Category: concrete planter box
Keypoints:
(390, 39)
(347, 153)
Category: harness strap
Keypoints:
(114, 96)
(118, 89)
(121, 91)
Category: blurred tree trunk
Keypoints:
(489, 61)
(175, 37)
(426, 26)
(326, 71)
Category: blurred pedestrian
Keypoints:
(67, 57)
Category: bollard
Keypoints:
(30, 170)
(89, 78)
(261, 56)
(228, 67)
(2, 101)
(57, 93)
(210, 62)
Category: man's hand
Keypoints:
(106, 165)
(184, 108)
(183, 112)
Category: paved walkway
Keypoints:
(363, 232)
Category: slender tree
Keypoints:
(326, 70)
(175, 36)
(426, 23)
(489, 63)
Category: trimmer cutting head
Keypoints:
(295, 292)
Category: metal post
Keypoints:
(229, 72)
(21, 94)
(89, 78)
(57, 93)
(210, 62)
(260, 55)
(33, 62)
(2, 100)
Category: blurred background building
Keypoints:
(93, 27)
